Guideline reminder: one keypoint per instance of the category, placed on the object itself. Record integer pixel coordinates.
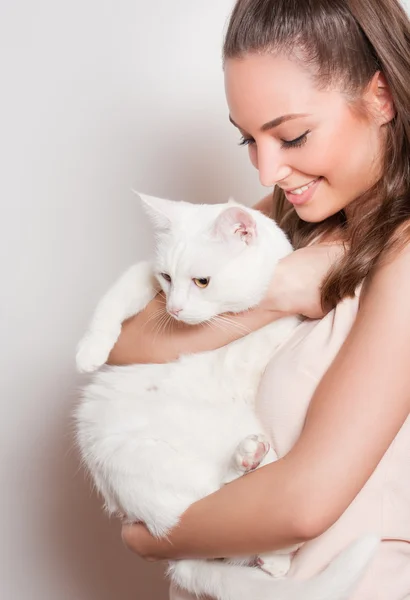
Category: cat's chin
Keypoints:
(195, 320)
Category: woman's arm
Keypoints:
(356, 411)
(295, 289)
(144, 340)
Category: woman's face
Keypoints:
(300, 136)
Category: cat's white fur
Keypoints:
(158, 437)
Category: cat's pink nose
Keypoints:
(174, 311)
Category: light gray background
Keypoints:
(97, 97)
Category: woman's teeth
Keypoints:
(303, 189)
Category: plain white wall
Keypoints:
(97, 97)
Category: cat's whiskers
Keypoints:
(158, 313)
(155, 315)
(232, 323)
(158, 325)
(219, 324)
(161, 298)
(163, 322)
(212, 324)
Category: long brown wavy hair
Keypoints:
(344, 42)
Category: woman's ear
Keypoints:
(380, 98)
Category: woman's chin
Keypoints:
(314, 214)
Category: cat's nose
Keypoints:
(174, 311)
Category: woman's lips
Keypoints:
(298, 199)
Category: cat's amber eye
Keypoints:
(166, 277)
(202, 282)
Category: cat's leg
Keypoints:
(110, 504)
(249, 454)
(252, 452)
(128, 296)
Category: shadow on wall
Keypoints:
(86, 544)
(208, 166)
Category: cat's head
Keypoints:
(212, 258)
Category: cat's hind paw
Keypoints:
(251, 452)
(275, 565)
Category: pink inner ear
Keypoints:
(236, 221)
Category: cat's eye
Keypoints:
(166, 277)
(201, 282)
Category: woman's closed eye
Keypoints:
(295, 143)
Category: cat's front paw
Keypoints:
(93, 352)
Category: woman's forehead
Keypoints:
(261, 88)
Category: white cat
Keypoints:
(158, 437)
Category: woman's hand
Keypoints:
(137, 538)
(297, 281)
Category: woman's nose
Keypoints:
(272, 168)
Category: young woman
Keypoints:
(320, 92)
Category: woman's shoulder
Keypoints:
(265, 205)
(389, 280)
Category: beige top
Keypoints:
(383, 505)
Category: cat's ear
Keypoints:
(232, 202)
(161, 212)
(236, 222)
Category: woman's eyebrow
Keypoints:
(275, 122)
